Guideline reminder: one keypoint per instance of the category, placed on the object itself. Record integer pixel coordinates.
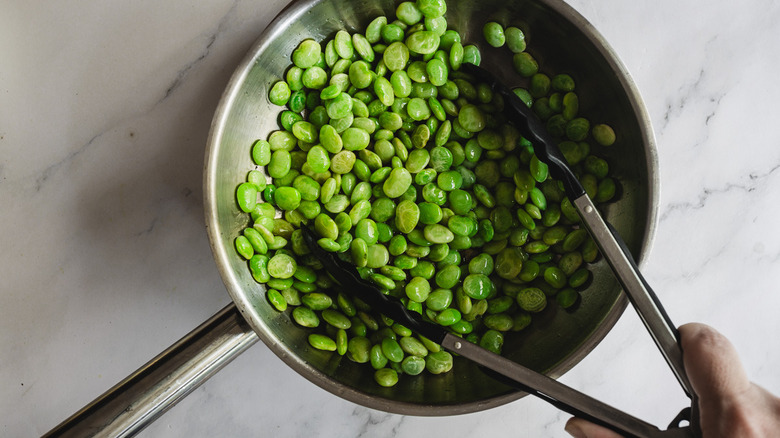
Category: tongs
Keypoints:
(615, 252)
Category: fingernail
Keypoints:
(574, 430)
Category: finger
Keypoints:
(579, 428)
(712, 363)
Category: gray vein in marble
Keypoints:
(695, 91)
(754, 179)
(690, 93)
(52, 169)
(682, 98)
(176, 83)
(725, 244)
(150, 228)
(182, 74)
(374, 419)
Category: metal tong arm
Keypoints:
(549, 390)
(615, 251)
(560, 395)
(644, 300)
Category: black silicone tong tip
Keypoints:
(517, 112)
(351, 282)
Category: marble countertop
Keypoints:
(104, 113)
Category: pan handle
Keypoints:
(150, 391)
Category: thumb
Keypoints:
(579, 428)
(712, 363)
(713, 368)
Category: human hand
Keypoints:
(729, 404)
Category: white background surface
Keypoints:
(104, 262)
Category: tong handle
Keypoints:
(615, 251)
(559, 395)
(642, 297)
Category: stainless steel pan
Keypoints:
(562, 41)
